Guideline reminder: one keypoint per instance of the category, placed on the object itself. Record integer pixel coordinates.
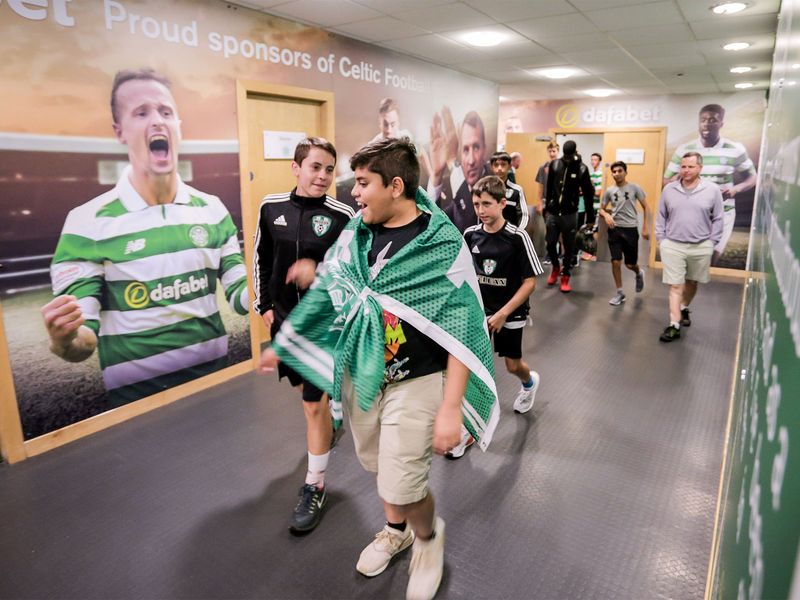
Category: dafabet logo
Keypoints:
(138, 296)
(567, 116)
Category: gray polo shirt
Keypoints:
(691, 216)
(623, 203)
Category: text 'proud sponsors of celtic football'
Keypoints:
(137, 294)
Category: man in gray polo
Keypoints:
(688, 225)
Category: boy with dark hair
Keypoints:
(618, 209)
(516, 210)
(393, 326)
(506, 264)
(295, 229)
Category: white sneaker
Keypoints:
(466, 441)
(524, 400)
(618, 299)
(388, 541)
(427, 565)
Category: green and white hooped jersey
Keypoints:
(720, 162)
(146, 279)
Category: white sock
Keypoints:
(316, 469)
(684, 307)
(619, 291)
(675, 324)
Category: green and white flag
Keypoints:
(430, 283)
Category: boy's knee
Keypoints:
(315, 410)
(512, 364)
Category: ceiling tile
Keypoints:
(324, 12)
(584, 41)
(628, 78)
(537, 62)
(446, 18)
(597, 4)
(644, 36)
(645, 90)
(743, 26)
(382, 29)
(392, 7)
(512, 52)
(695, 10)
(506, 11)
(676, 49)
(601, 58)
(259, 4)
(761, 45)
(435, 48)
(638, 15)
(673, 62)
(709, 87)
(554, 27)
(511, 37)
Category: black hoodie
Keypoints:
(566, 181)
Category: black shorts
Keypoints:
(624, 241)
(508, 342)
(311, 393)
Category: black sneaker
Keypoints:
(670, 334)
(686, 320)
(308, 512)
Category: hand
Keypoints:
(269, 361)
(62, 318)
(609, 221)
(646, 234)
(447, 428)
(728, 192)
(302, 273)
(268, 317)
(443, 146)
(496, 321)
(540, 208)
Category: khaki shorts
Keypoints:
(394, 438)
(682, 261)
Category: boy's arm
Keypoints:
(498, 319)
(604, 213)
(645, 216)
(523, 209)
(447, 424)
(262, 268)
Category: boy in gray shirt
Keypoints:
(618, 208)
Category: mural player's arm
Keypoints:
(232, 272)
(442, 152)
(69, 338)
(743, 166)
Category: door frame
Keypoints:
(245, 90)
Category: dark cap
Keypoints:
(570, 148)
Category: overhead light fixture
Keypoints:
(796, 66)
(600, 93)
(791, 83)
(728, 8)
(736, 46)
(743, 86)
(557, 72)
(741, 69)
(484, 39)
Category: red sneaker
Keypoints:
(553, 276)
(565, 287)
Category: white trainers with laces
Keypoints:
(388, 541)
(427, 565)
(458, 451)
(618, 299)
(524, 400)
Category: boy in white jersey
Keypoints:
(722, 160)
(506, 265)
(135, 270)
(618, 209)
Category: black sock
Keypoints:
(427, 539)
(398, 526)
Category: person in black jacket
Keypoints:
(295, 230)
(567, 180)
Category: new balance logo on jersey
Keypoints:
(135, 246)
(280, 221)
(475, 249)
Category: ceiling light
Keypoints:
(736, 46)
(796, 66)
(791, 83)
(741, 69)
(558, 72)
(483, 39)
(743, 86)
(728, 8)
(600, 93)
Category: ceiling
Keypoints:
(635, 47)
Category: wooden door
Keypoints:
(266, 107)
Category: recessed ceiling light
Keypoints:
(728, 8)
(792, 82)
(736, 46)
(484, 39)
(600, 93)
(796, 66)
(741, 69)
(743, 86)
(557, 72)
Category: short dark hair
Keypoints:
(713, 108)
(599, 157)
(127, 75)
(492, 185)
(391, 158)
(388, 105)
(616, 164)
(304, 146)
(697, 155)
(500, 156)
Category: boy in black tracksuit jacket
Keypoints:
(567, 179)
(295, 230)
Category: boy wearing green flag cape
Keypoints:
(393, 326)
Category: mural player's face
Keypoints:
(473, 153)
(389, 123)
(709, 126)
(315, 175)
(149, 126)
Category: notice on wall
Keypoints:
(631, 156)
(281, 144)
